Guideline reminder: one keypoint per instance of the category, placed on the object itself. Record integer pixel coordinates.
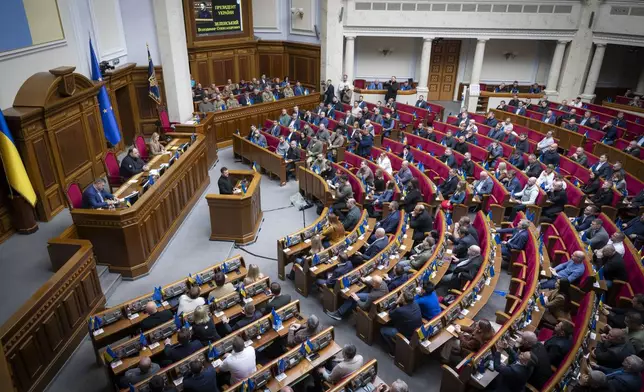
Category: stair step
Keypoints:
(109, 282)
(101, 269)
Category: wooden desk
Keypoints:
(268, 161)
(129, 240)
(205, 127)
(237, 217)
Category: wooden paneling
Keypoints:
(443, 69)
(223, 69)
(38, 339)
(71, 146)
(244, 67)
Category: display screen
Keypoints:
(216, 17)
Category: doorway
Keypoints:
(443, 69)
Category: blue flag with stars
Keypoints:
(110, 127)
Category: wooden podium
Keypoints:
(237, 217)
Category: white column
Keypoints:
(477, 65)
(593, 73)
(555, 68)
(425, 58)
(171, 33)
(640, 84)
(331, 41)
(349, 55)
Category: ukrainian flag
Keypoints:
(242, 290)
(308, 346)
(256, 167)
(14, 169)
(109, 355)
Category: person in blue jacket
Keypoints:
(95, 196)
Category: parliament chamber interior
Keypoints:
(322, 195)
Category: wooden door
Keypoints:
(443, 69)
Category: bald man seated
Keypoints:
(378, 244)
(145, 369)
(378, 289)
(155, 317)
(572, 270)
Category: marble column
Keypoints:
(171, 33)
(555, 68)
(425, 59)
(593, 73)
(640, 84)
(477, 66)
(349, 55)
(577, 55)
(331, 41)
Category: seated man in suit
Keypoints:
(448, 140)
(596, 236)
(95, 196)
(520, 109)
(633, 149)
(560, 343)
(484, 184)
(517, 241)
(613, 349)
(249, 314)
(467, 166)
(363, 300)
(390, 222)
(200, 379)
(549, 117)
(158, 384)
(461, 269)
(448, 158)
(627, 378)
(610, 133)
(593, 123)
(397, 278)
(155, 317)
(464, 241)
(583, 222)
(448, 186)
(528, 342)
(515, 375)
(344, 266)
(277, 299)
(571, 125)
(421, 221)
(558, 197)
(522, 146)
(526, 197)
(550, 156)
(491, 121)
(572, 270)
(185, 347)
(421, 103)
(132, 164)
(611, 263)
(534, 168)
(495, 151)
(406, 317)
(352, 217)
(378, 244)
(496, 132)
(580, 157)
(516, 160)
(634, 229)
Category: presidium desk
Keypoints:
(130, 239)
(237, 217)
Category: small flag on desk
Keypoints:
(242, 290)
(361, 230)
(212, 351)
(143, 340)
(423, 332)
(131, 388)
(109, 355)
(489, 217)
(388, 148)
(530, 216)
(177, 320)
(316, 260)
(542, 299)
(281, 366)
(308, 346)
(198, 279)
(492, 273)
(157, 295)
(426, 275)
(243, 187)
(186, 324)
(347, 242)
(224, 266)
(421, 167)
(256, 167)
(419, 147)
(619, 224)
(276, 319)
(497, 238)
(110, 126)
(191, 280)
(345, 282)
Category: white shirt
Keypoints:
(577, 104)
(187, 304)
(240, 365)
(619, 247)
(545, 178)
(545, 143)
(385, 164)
(355, 111)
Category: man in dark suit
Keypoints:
(602, 168)
(520, 110)
(329, 93)
(467, 166)
(461, 269)
(421, 221)
(593, 123)
(549, 117)
(392, 87)
(249, 314)
(176, 352)
(463, 243)
(514, 377)
(398, 278)
(200, 379)
(224, 183)
(534, 167)
(378, 244)
(620, 121)
(405, 318)
(610, 133)
(613, 349)
(448, 158)
(558, 197)
(583, 222)
(344, 266)
(490, 120)
(448, 187)
(514, 101)
(633, 149)
(155, 317)
(390, 222)
(277, 299)
(542, 371)
(463, 116)
(624, 379)
(560, 343)
(517, 241)
(516, 160)
(95, 196)
(157, 384)
(421, 103)
(132, 164)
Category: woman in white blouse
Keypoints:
(385, 163)
(547, 177)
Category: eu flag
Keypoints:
(153, 85)
(143, 340)
(110, 128)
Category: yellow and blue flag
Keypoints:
(212, 351)
(256, 167)
(242, 290)
(13, 167)
(109, 355)
(153, 84)
(110, 127)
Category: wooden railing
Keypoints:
(42, 334)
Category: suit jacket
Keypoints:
(421, 104)
(411, 200)
(559, 200)
(448, 186)
(614, 268)
(603, 197)
(242, 322)
(551, 120)
(604, 171)
(448, 142)
(390, 223)
(518, 240)
(93, 198)
(470, 269)
(375, 247)
(514, 186)
(491, 122)
(514, 377)
(131, 166)
(542, 371)
(550, 158)
(484, 188)
(177, 352)
(611, 133)
(448, 160)
(522, 146)
(597, 238)
(520, 111)
(584, 222)
(621, 381)
(612, 355)
(206, 381)
(533, 170)
(557, 348)
(245, 102)
(275, 303)
(421, 224)
(464, 243)
(351, 219)
(468, 168)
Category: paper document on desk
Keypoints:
(451, 329)
(280, 377)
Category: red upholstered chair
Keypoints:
(140, 145)
(74, 196)
(360, 83)
(165, 124)
(112, 169)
